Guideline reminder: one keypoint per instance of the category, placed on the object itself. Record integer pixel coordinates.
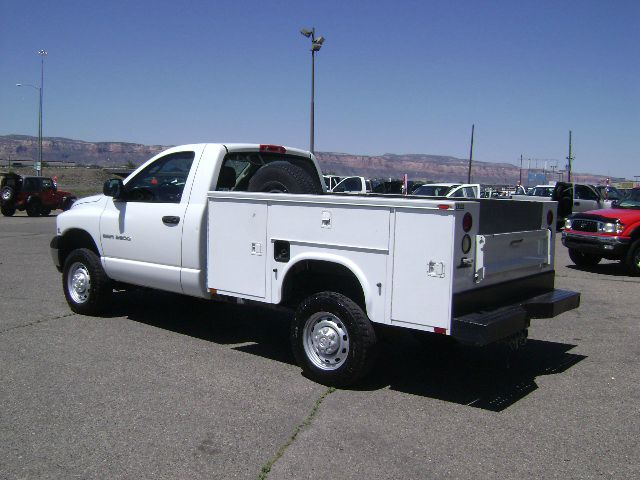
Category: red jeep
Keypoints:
(612, 233)
(36, 195)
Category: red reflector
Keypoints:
(443, 207)
(549, 217)
(467, 222)
(440, 330)
(273, 148)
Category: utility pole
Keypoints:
(473, 126)
(520, 183)
(569, 158)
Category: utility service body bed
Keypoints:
(477, 269)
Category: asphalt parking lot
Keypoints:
(171, 387)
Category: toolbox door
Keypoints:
(236, 260)
(422, 269)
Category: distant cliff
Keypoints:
(417, 166)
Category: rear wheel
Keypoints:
(333, 341)
(583, 259)
(87, 288)
(44, 211)
(633, 259)
(8, 209)
(33, 208)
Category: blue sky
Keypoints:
(393, 76)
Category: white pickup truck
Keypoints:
(254, 222)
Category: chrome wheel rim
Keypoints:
(326, 341)
(636, 258)
(79, 283)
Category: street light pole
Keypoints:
(316, 45)
(42, 54)
(38, 162)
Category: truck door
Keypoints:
(47, 194)
(141, 233)
(563, 194)
(585, 199)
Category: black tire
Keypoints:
(45, 211)
(8, 209)
(86, 286)
(7, 194)
(68, 203)
(632, 260)
(345, 332)
(33, 208)
(584, 259)
(282, 177)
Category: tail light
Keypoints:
(467, 222)
(273, 148)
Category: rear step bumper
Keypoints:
(483, 328)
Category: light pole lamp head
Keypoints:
(43, 53)
(306, 32)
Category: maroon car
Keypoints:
(36, 195)
(612, 233)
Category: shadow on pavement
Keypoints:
(616, 269)
(489, 378)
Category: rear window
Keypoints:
(239, 167)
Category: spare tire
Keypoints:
(7, 194)
(283, 177)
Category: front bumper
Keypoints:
(55, 246)
(596, 244)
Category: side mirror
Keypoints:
(113, 188)
(615, 203)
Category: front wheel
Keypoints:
(633, 259)
(333, 341)
(45, 211)
(87, 288)
(583, 259)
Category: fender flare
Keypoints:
(329, 258)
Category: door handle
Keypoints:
(170, 220)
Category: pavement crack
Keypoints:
(264, 473)
(37, 322)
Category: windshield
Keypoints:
(610, 193)
(433, 190)
(541, 192)
(632, 201)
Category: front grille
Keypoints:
(584, 225)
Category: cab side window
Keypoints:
(585, 193)
(458, 193)
(162, 181)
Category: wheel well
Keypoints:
(312, 276)
(74, 239)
